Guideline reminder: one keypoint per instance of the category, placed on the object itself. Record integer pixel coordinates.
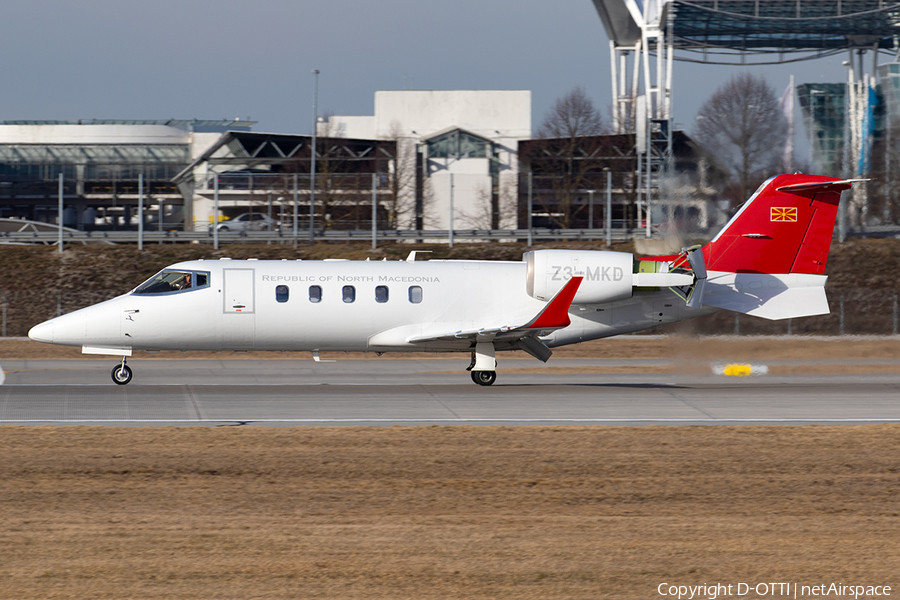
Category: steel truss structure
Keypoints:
(649, 32)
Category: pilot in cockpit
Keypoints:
(182, 283)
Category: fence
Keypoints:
(286, 236)
(854, 311)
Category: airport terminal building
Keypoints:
(426, 159)
(101, 163)
(419, 153)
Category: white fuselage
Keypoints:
(269, 305)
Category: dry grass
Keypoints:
(442, 512)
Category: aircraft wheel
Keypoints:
(121, 374)
(484, 377)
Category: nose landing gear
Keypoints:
(121, 374)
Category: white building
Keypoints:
(467, 138)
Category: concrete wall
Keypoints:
(360, 128)
(200, 142)
(492, 114)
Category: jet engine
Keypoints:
(607, 275)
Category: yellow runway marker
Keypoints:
(739, 370)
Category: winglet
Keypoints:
(556, 313)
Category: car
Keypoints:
(249, 222)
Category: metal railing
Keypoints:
(327, 235)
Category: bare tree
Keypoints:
(483, 215)
(572, 116)
(480, 216)
(402, 181)
(743, 126)
(569, 141)
(331, 171)
(343, 188)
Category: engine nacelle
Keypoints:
(607, 275)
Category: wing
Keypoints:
(555, 315)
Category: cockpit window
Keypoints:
(166, 282)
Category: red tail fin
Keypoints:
(785, 227)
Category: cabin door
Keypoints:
(239, 318)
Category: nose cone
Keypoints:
(94, 325)
(42, 332)
(68, 330)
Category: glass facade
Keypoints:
(458, 144)
(824, 108)
(889, 86)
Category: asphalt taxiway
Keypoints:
(428, 391)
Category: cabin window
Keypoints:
(348, 294)
(381, 293)
(415, 294)
(167, 282)
(315, 293)
(282, 292)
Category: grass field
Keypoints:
(443, 512)
(454, 512)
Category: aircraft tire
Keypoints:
(121, 374)
(484, 377)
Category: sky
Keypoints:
(184, 59)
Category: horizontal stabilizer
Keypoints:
(819, 186)
(771, 297)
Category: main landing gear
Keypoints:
(483, 364)
(121, 374)
(484, 377)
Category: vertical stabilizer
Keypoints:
(785, 227)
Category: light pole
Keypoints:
(608, 206)
(296, 211)
(450, 228)
(215, 224)
(140, 211)
(590, 209)
(59, 219)
(312, 164)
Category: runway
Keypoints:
(427, 391)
